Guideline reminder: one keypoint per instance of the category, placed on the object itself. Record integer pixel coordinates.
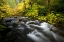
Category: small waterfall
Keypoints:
(58, 37)
(34, 30)
(38, 37)
(34, 37)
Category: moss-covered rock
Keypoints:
(2, 27)
(15, 24)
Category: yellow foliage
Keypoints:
(26, 1)
(9, 10)
(2, 15)
(21, 7)
(18, 8)
(5, 9)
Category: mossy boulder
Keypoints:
(15, 24)
(2, 27)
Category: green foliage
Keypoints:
(12, 3)
(2, 27)
(42, 11)
(33, 12)
(55, 19)
(2, 2)
(58, 6)
(52, 18)
(43, 18)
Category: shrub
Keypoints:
(33, 12)
(42, 11)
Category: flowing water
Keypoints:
(35, 31)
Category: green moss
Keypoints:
(2, 27)
(15, 24)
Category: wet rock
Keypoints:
(28, 30)
(10, 21)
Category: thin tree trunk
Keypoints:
(49, 7)
(47, 2)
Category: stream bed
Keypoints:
(29, 30)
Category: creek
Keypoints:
(29, 30)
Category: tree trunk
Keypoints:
(49, 7)
(47, 2)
